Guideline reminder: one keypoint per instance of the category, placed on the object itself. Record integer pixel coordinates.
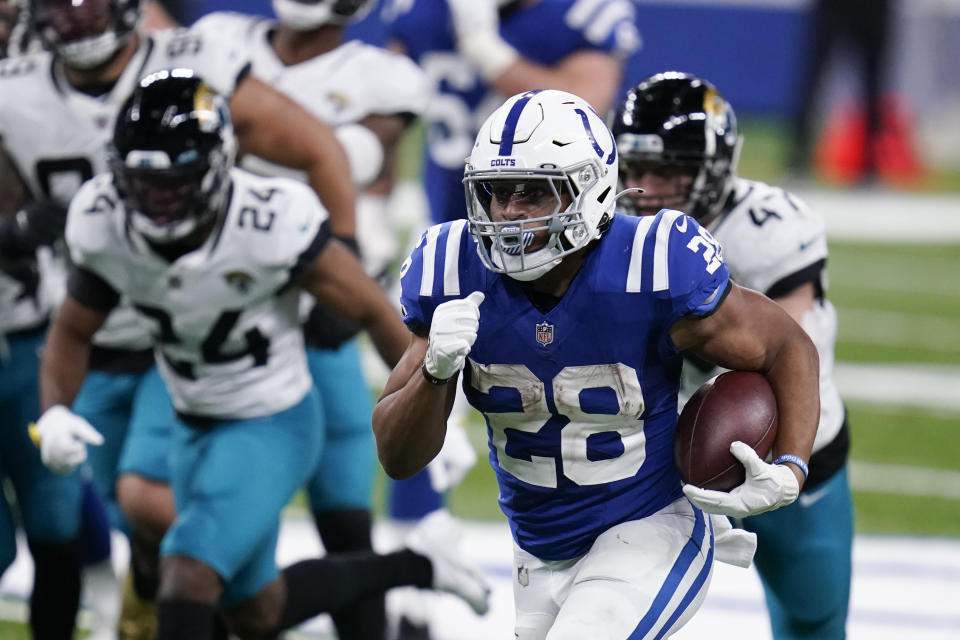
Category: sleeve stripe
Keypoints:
(661, 261)
(607, 18)
(581, 12)
(635, 270)
(429, 261)
(451, 263)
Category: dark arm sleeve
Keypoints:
(91, 290)
(309, 255)
(810, 273)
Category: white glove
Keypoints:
(452, 333)
(454, 460)
(476, 24)
(64, 437)
(767, 487)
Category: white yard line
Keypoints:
(904, 480)
(932, 386)
(881, 215)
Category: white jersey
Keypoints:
(341, 86)
(224, 317)
(56, 136)
(771, 242)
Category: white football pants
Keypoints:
(640, 580)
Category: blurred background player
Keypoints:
(217, 258)
(370, 96)
(678, 140)
(861, 28)
(95, 59)
(477, 52)
(568, 323)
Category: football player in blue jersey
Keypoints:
(776, 245)
(477, 52)
(569, 323)
(215, 260)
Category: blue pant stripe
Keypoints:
(692, 592)
(677, 571)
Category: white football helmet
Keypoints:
(304, 15)
(546, 147)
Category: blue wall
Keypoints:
(754, 55)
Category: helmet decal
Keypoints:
(513, 118)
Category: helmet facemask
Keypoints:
(525, 222)
(548, 148)
(85, 33)
(165, 203)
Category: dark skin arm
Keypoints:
(750, 332)
(64, 362)
(274, 127)
(338, 280)
(410, 418)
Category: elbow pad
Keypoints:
(364, 152)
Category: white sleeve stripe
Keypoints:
(429, 261)
(661, 261)
(635, 270)
(580, 12)
(451, 263)
(602, 25)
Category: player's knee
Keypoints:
(185, 578)
(147, 504)
(258, 618)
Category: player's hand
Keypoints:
(476, 24)
(767, 487)
(64, 437)
(452, 334)
(455, 459)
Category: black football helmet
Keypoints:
(677, 121)
(85, 33)
(172, 149)
(304, 15)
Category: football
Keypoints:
(736, 405)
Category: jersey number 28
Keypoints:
(567, 386)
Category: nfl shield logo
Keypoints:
(523, 576)
(544, 333)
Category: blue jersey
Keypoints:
(545, 33)
(580, 400)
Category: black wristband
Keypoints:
(432, 379)
(351, 242)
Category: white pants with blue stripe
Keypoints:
(640, 580)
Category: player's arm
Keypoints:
(750, 332)
(62, 435)
(371, 145)
(799, 301)
(274, 127)
(592, 75)
(410, 418)
(338, 280)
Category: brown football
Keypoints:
(736, 405)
